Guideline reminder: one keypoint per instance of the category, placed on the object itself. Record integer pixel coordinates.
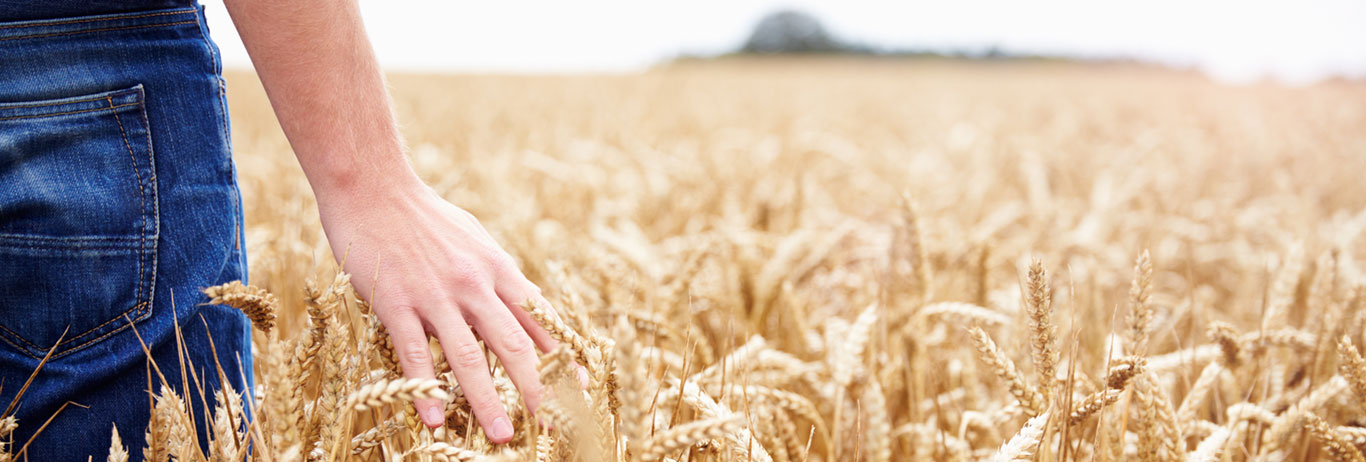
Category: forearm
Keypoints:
(321, 76)
(445, 273)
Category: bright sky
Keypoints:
(1235, 40)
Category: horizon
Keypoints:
(1288, 43)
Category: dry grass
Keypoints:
(774, 260)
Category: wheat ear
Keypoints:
(965, 313)
(1334, 443)
(1093, 403)
(1223, 335)
(1123, 370)
(393, 391)
(258, 304)
(1159, 435)
(368, 439)
(1282, 429)
(1042, 332)
(560, 331)
(117, 451)
(1211, 447)
(1352, 367)
(989, 353)
(1023, 445)
(444, 452)
(677, 438)
(1140, 315)
(1199, 393)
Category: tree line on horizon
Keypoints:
(793, 32)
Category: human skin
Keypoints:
(426, 266)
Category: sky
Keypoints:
(1294, 42)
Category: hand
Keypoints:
(434, 270)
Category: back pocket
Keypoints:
(78, 220)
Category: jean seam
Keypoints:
(106, 29)
(142, 196)
(31, 349)
(156, 208)
(63, 103)
(137, 307)
(223, 116)
(77, 251)
(24, 349)
(81, 21)
(39, 241)
(209, 47)
(226, 130)
(232, 166)
(55, 114)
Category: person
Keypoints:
(119, 203)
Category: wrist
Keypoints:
(362, 179)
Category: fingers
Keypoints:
(515, 298)
(467, 362)
(504, 334)
(519, 292)
(415, 356)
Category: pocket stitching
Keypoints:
(142, 198)
(124, 315)
(145, 290)
(107, 29)
(24, 241)
(143, 305)
(63, 352)
(19, 338)
(37, 116)
(64, 101)
(80, 21)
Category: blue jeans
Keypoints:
(118, 204)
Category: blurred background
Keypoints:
(897, 168)
(1292, 42)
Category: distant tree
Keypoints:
(790, 31)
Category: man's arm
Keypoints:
(431, 267)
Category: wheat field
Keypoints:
(848, 260)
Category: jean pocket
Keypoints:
(78, 220)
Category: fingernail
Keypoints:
(502, 429)
(432, 416)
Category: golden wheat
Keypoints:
(840, 260)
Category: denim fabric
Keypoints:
(23, 10)
(118, 203)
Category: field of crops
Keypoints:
(855, 261)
